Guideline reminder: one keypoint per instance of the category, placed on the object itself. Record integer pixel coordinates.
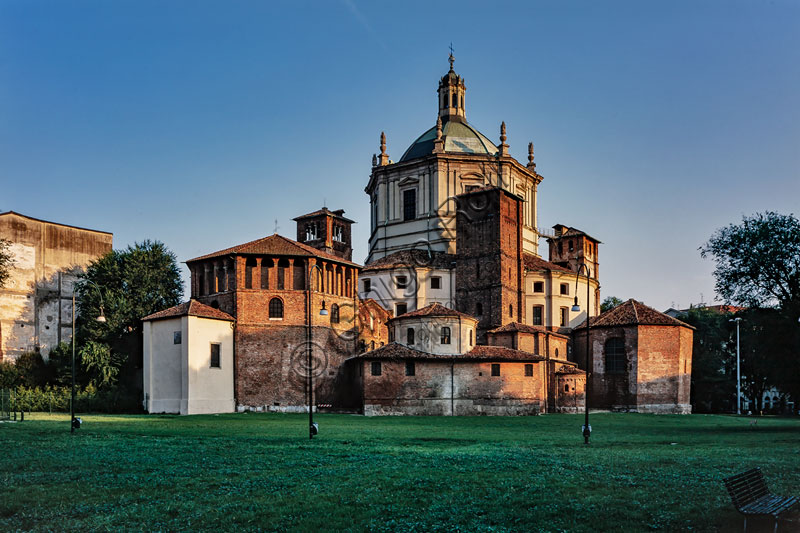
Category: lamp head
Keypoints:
(102, 317)
(323, 311)
(576, 307)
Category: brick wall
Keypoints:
(442, 388)
(489, 258)
(657, 373)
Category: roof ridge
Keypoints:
(635, 313)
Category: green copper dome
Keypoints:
(459, 138)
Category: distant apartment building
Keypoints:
(36, 301)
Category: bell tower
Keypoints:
(451, 95)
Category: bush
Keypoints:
(87, 400)
(9, 376)
(32, 369)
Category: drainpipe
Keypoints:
(235, 331)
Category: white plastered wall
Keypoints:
(210, 389)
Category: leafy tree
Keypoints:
(9, 375)
(758, 261)
(134, 282)
(59, 366)
(6, 261)
(610, 303)
(713, 361)
(31, 369)
(758, 266)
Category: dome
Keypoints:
(459, 138)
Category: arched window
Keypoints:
(249, 270)
(334, 314)
(470, 337)
(410, 336)
(445, 335)
(615, 356)
(276, 308)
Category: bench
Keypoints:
(750, 496)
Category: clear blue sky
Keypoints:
(201, 123)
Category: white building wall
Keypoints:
(210, 389)
(178, 378)
(427, 334)
(163, 368)
(552, 300)
(417, 294)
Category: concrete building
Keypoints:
(36, 302)
(188, 360)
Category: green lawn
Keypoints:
(260, 471)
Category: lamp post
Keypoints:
(313, 429)
(587, 429)
(738, 378)
(74, 423)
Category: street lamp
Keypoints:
(587, 429)
(313, 428)
(738, 379)
(75, 423)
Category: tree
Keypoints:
(6, 261)
(758, 266)
(758, 261)
(610, 303)
(713, 361)
(134, 282)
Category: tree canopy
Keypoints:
(610, 303)
(758, 266)
(758, 261)
(133, 283)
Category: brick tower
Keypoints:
(489, 259)
(328, 231)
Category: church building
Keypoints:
(455, 311)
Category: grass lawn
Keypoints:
(260, 471)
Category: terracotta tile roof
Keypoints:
(524, 328)
(435, 309)
(412, 258)
(501, 353)
(634, 313)
(394, 350)
(275, 245)
(572, 232)
(537, 263)
(568, 369)
(339, 213)
(190, 308)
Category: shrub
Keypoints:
(31, 369)
(9, 375)
(87, 400)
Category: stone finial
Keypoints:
(531, 164)
(374, 160)
(452, 59)
(438, 143)
(503, 146)
(384, 157)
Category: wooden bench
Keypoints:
(750, 496)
